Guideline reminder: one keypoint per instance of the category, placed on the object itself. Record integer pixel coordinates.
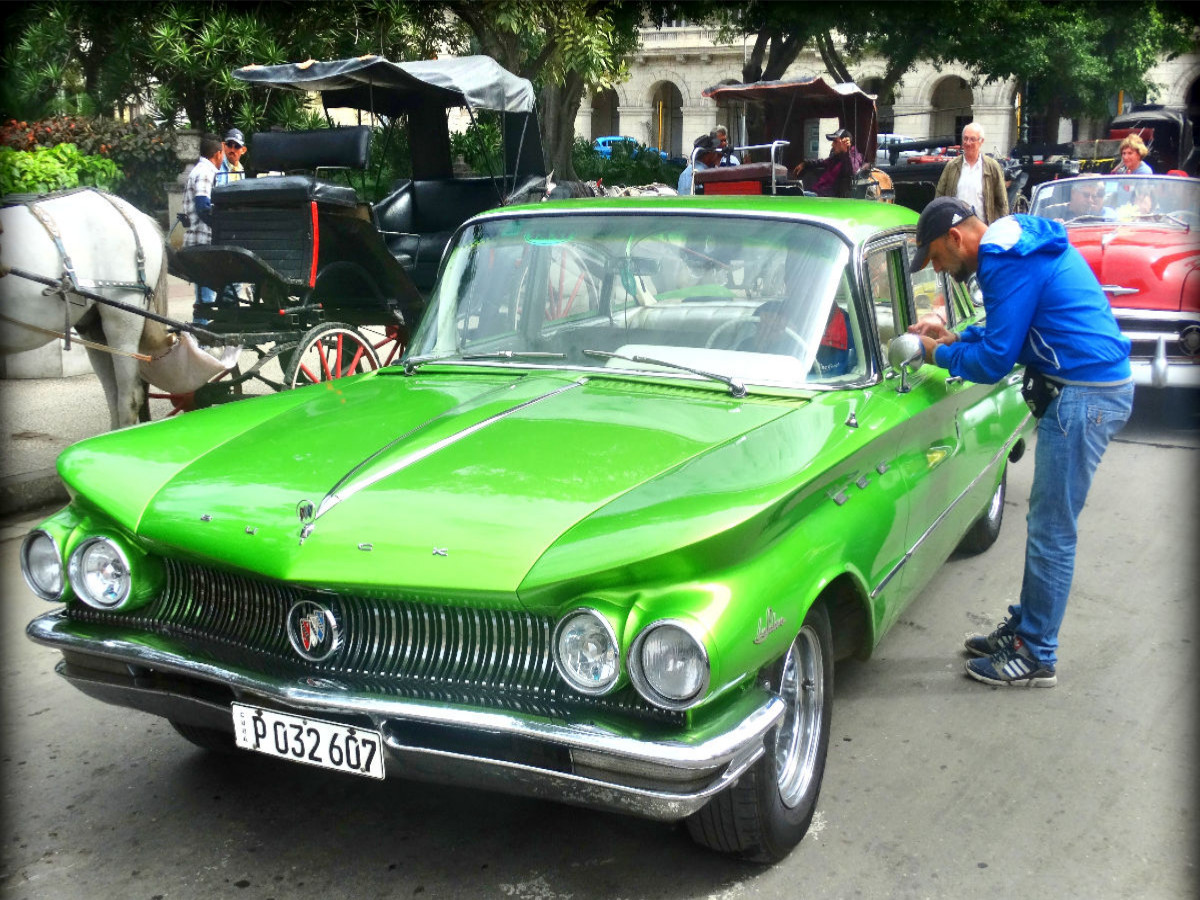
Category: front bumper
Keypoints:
(1165, 349)
(592, 764)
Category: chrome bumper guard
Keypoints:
(585, 764)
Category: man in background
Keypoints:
(837, 176)
(975, 178)
(197, 213)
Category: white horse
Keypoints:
(100, 235)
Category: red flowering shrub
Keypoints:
(143, 152)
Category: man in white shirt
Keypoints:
(975, 179)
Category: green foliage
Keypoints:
(479, 145)
(629, 165)
(143, 153)
(57, 168)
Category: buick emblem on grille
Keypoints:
(313, 630)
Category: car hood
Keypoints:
(445, 481)
(1148, 264)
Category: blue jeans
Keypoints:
(1071, 438)
(203, 295)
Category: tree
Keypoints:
(564, 47)
(1073, 56)
(178, 58)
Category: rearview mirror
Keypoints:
(906, 354)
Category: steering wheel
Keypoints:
(721, 336)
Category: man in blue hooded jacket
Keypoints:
(1045, 310)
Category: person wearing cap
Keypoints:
(1045, 310)
(837, 176)
(706, 154)
(234, 146)
(975, 178)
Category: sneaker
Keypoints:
(1012, 665)
(987, 644)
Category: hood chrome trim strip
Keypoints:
(339, 494)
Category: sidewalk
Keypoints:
(40, 417)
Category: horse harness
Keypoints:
(70, 282)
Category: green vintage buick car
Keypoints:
(648, 469)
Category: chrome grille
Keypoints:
(412, 647)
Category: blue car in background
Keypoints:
(605, 144)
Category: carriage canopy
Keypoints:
(787, 105)
(373, 83)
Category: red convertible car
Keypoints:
(1141, 236)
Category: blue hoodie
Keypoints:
(1044, 308)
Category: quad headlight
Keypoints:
(668, 665)
(100, 573)
(42, 565)
(586, 652)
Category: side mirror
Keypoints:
(906, 354)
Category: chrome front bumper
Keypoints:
(1165, 346)
(586, 764)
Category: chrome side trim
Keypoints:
(1004, 450)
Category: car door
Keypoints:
(964, 429)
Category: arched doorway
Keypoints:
(606, 116)
(666, 119)
(952, 108)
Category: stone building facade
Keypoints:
(662, 104)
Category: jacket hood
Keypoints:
(1024, 235)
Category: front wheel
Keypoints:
(764, 815)
(987, 527)
(329, 351)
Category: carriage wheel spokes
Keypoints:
(327, 352)
(395, 339)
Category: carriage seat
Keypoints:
(418, 217)
(282, 191)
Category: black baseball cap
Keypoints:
(936, 219)
(235, 135)
(707, 142)
(840, 133)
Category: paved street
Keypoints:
(936, 786)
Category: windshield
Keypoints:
(1124, 198)
(762, 302)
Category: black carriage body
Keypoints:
(311, 250)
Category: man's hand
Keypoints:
(932, 333)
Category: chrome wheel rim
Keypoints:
(997, 502)
(802, 689)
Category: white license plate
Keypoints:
(358, 751)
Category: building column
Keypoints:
(697, 120)
(636, 122)
(583, 120)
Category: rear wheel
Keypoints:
(764, 815)
(987, 527)
(326, 352)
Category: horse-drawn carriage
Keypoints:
(783, 122)
(306, 274)
(335, 282)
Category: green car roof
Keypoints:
(860, 219)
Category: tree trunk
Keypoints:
(558, 106)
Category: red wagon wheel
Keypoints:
(328, 351)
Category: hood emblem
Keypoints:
(313, 630)
(441, 551)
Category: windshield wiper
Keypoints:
(410, 366)
(736, 388)
(515, 354)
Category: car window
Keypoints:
(885, 287)
(763, 301)
(928, 292)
